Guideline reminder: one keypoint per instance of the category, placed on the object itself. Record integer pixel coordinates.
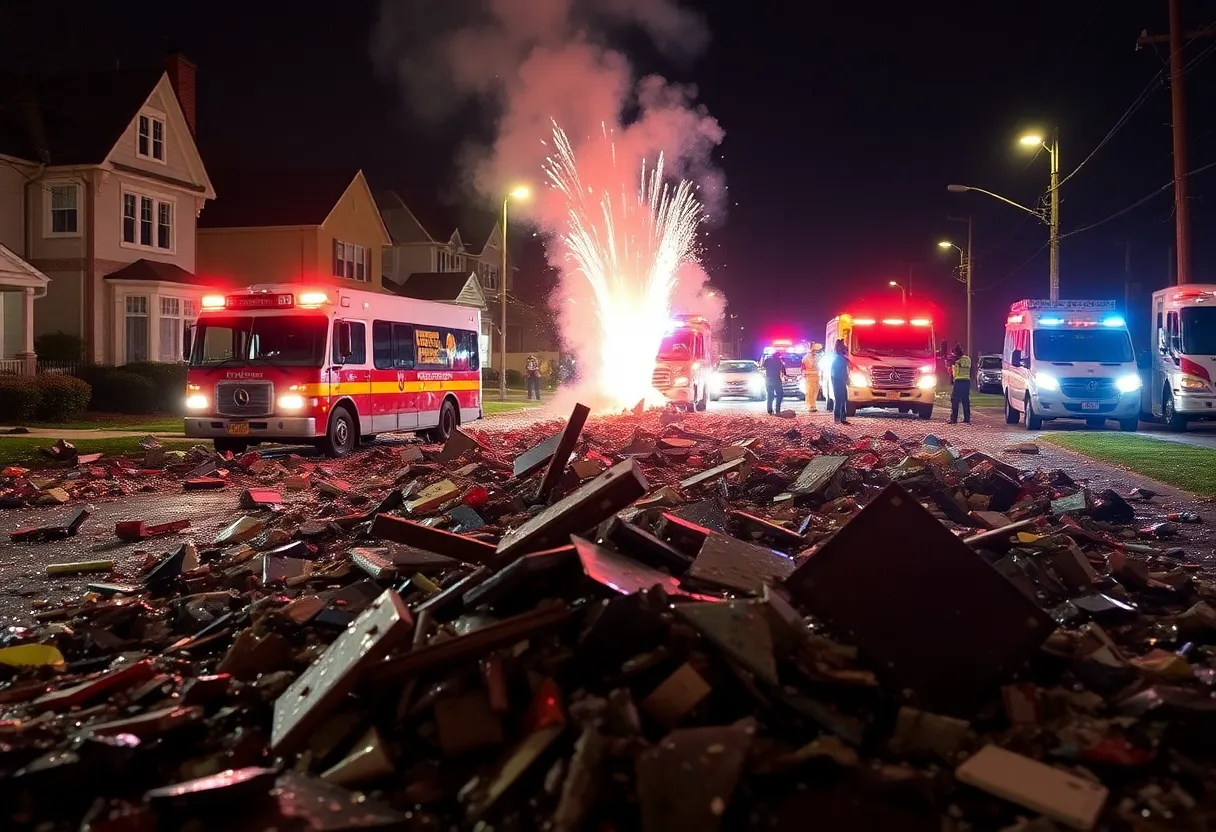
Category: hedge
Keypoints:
(169, 380)
(119, 390)
(63, 398)
(19, 399)
(59, 346)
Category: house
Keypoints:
(443, 288)
(319, 227)
(100, 186)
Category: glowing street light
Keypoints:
(1031, 140)
(964, 261)
(1036, 141)
(902, 291)
(519, 192)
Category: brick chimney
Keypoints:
(182, 73)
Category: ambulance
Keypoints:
(685, 363)
(1182, 361)
(328, 366)
(1069, 359)
(892, 363)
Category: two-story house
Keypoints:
(100, 186)
(319, 227)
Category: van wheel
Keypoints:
(702, 403)
(340, 437)
(1011, 415)
(1033, 420)
(1173, 420)
(448, 421)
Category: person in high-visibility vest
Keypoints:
(810, 373)
(960, 393)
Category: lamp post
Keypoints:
(903, 293)
(964, 260)
(1053, 216)
(519, 193)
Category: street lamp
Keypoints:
(520, 192)
(903, 293)
(1035, 140)
(964, 258)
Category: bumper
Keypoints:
(736, 390)
(988, 381)
(1057, 407)
(269, 427)
(869, 397)
(1192, 404)
(678, 394)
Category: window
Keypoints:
(448, 261)
(147, 222)
(403, 347)
(176, 314)
(352, 261)
(64, 203)
(489, 277)
(467, 351)
(392, 346)
(260, 340)
(151, 141)
(137, 329)
(358, 345)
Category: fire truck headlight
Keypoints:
(1129, 383)
(196, 401)
(858, 379)
(681, 381)
(1192, 383)
(291, 401)
(927, 382)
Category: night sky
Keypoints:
(843, 130)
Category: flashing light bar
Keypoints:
(1015, 319)
(921, 322)
(1114, 321)
(864, 322)
(784, 342)
(313, 298)
(1038, 304)
(893, 321)
(213, 301)
(1051, 321)
(260, 301)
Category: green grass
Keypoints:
(493, 408)
(977, 399)
(1184, 466)
(157, 423)
(27, 452)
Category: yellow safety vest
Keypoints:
(962, 368)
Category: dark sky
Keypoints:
(844, 124)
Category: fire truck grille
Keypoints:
(239, 398)
(1089, 388)
(661, 378)
(892, 377)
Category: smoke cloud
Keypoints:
(537, 62)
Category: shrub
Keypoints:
(59, 346)
(169, 380)
(117, 391)
(515, 378)
(19, 397)
(62, 398)
(489, 377)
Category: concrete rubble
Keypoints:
(617, 623)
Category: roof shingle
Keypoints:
(262, 198)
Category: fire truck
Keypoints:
(794, 386)
(1181, 363)
(892, 363)
(328, 366)
(685, 362)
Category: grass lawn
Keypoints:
(977, 399)
(157, 423)
(27, 452)
(492, 408)
(1184, 466)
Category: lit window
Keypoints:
(64, 209)
(175, 315)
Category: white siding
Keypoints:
(12, 188)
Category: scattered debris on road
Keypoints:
(616, 623)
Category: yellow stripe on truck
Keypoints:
(362, 387)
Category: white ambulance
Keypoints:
(1182, 361)
(1069, 359)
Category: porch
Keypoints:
(20, 285)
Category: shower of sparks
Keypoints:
(629, 247)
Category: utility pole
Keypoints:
(1054, 226)
(967, 273)
(1127, 278)
(1177, 40)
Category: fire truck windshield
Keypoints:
(293, 341)
(1199, 330)
(893, 340)
(677, 346)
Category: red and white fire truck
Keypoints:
(685, 362)
(1181, 363)
(328, 366)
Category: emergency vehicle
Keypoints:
(892, 363)
(685, 362)
(1182, 361)
(1069, 359)
(794, 386)
(328, 366)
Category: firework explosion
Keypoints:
(629, 247)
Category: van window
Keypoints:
(358, 345)
(1095, 345)
(1199, 330)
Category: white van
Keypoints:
(1181, 365)
(1069, 359)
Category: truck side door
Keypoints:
(352, 374)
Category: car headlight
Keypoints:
(1129, 383)
(681, 381)
(197, 401)
(1192, 383)
(1046, 381)
(927, 382)
(859, 379)
(291, 401)
(756, 383)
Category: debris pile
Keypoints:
(636, 626)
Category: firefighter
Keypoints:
(810, 372)
(774, 380)
(840, 383)
(532, 371)
(960, 392)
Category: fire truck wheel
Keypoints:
(339, 440)
(1173, 420)
(702, 403)
(448, 422)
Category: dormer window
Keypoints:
(151, 139)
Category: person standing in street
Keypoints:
(840, 383)
(774, 379)
(960, 392)
(532, 371)
(810, 372)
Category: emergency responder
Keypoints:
(532, 371)
(960, 393)
(810, 373)
(840, 383)
(774, 379)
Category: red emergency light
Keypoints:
(260, 301)
(894, 321)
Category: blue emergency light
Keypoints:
(1051, 321)
(1113, 321)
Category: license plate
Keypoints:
(238, 428)
(1089, 405)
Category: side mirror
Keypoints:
(345, 344)
(1161, 341)
(1016, 358)
(187, 341)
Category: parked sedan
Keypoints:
(738, 380)
(988, 374)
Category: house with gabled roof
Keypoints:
(317, 227)
(101, 183)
